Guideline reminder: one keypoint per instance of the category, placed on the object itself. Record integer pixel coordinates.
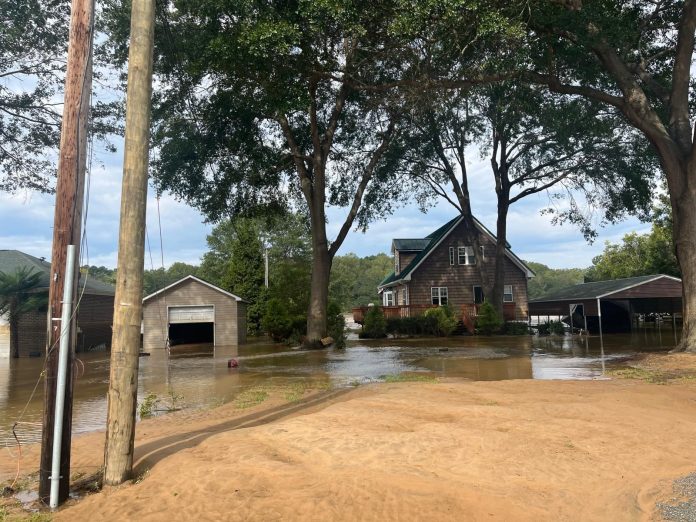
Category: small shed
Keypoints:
(611, 305)
(193, 311)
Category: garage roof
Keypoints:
(600, 289)
(194, 278)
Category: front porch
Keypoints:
(467, 313)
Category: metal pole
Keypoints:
(65, 321)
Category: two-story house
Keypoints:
(441, 269)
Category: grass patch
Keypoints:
(296, 391)
(409, 377)
(249, 398)
(640, 374)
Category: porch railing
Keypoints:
(468, 312)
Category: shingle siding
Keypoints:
(435, 270)
(230, 315)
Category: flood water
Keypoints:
(200, 377)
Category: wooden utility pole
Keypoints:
(125, 344)
(67, 230)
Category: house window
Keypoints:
(451, 255)
(439, 295)
(466, 256)
(388, 298)
(478, 295)
(396, 263)
(507, 294)
(404, 294)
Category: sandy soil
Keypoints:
(510, 450)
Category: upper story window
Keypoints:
(451, 255)
(396, 262)
(388, 299)
(439, 295)
(507, 294)
(466, 255)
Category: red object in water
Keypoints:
(232, 363)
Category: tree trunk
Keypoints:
(321, 270)
(684, 233)
(14, 336)
(499, 275)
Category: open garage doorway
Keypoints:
(191, 325)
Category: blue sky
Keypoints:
(26, 223)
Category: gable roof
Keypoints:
(435, 238)
(11, 260)
(599, 289)
(198, 280)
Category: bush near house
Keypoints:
(488, 320)
(552, 328)
(516, 328)
(374, 325)
(412, 326)
(446, 321)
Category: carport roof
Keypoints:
(599, 289)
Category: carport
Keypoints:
(611, 306)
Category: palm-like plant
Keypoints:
(18, 296)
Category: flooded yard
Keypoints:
(199, 377)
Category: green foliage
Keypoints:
(159, 278)
(551, 328)
(548, 280)
(19, 296)
(147, 407)
(515, 328)
(639, 254)
(420, 325)
(488, 321)
(280, 323)
(374, 326)
(446, 321)
(354, 279)
(336, 325)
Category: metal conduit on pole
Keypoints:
(66, 315)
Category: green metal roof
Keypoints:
(410, 245)
(596, 289)
(11, 260)
(432, 240)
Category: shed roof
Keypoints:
(11, 260)
(197, 279)
(434, 239)
(599, 289)
(410, 245)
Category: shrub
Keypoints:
(556, 328)
(279, 324)
(394, 326)
(516, 328)
(488, 320)
(336, 326)
(374, 326)
(445, 322)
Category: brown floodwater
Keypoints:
(199, 375)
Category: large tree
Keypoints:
(259, 102)
(568, 148)
(635, 57)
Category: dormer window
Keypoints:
(465, 255)
(396, 262)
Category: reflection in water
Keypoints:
(200, 374)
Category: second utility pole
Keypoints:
(67, 230)
(128, 304)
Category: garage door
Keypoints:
(191, 314)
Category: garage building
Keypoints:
(193, 311)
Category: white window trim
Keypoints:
(511, 293)
(441, 293)
(469, 257)
(388, 296)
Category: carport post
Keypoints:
(599, 313)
